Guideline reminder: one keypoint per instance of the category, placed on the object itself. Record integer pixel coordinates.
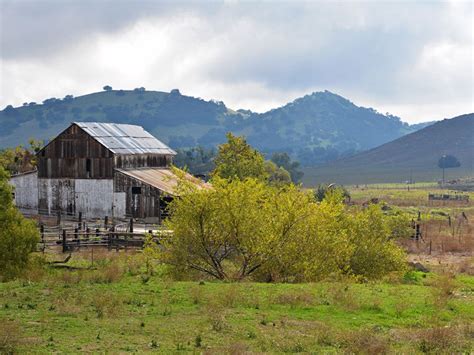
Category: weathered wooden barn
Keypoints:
(101, 169)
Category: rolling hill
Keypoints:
(412, 156)
(314, 129)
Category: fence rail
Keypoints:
(80, 234)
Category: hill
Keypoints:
(314, 129)
(413, 156)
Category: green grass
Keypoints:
(63, 314)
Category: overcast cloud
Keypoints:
(412, 59)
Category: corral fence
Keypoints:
(70, 233)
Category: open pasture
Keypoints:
(114, 307)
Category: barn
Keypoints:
(101, 169)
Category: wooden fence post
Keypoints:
(64, 241)
(42, 233)
(59, 218)
(106, 221)
(131, 225)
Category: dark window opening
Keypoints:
(136, 190)
(88, 165)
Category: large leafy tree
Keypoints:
(18, 236)
(236, 159)
(219, 231)
(242, 228)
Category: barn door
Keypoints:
(135, 205)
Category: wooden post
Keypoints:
(64, 241)
(42, 233)
(59, 218)
(109, 239)
(131, 225)
(80, 217)
(430, 246)
(106, 221)
(76, 230)
(114, 237)
(79, 226)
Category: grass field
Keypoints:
(106, 303)
(114, 309)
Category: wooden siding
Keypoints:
(146, 204)
(74, 154)
(142, 161)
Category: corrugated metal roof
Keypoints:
(125, 138)
(162, 178)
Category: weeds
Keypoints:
(295, 298)
(9, 336)
(105, 304)
(342, 295)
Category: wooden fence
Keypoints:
(68, 238)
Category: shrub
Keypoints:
(375, 253)
(18, 236)
(242, 228)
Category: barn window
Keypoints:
(88, 165)
(136, 190)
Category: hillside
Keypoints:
(414, 155)
(314, 129)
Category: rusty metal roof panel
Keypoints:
(125, 138)
(162, 178)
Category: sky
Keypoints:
(413, 59)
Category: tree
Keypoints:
(283, 160)
(198, 160)
(277, 176)
(248, 228)
(236, 159)
(322, 191)
(220, 231)
(107, 88)
(18, 236)
(447, 162)
(20, 159)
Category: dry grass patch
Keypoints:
(294, 298)
(9, 336)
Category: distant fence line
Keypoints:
(448, 197)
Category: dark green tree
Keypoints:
(447, 162)
(283, 160)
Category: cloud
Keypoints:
(412, 59)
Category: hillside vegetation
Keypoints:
(313, 129)
(413, 156)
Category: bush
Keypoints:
(246, 228)
(18, 236)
